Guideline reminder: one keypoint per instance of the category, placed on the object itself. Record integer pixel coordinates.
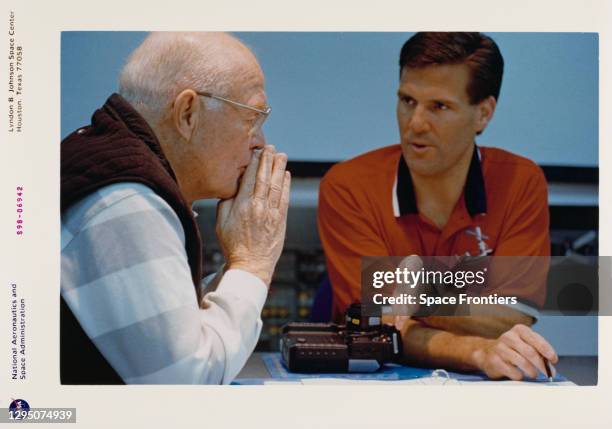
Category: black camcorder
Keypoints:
(364, 344)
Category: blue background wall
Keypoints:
(333, 94)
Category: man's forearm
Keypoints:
(428, 346)
(488, 322)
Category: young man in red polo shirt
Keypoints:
(438, 194)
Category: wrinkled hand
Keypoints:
(516, 353)
(251, 226)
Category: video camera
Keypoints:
(364, 344)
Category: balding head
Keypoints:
(207, 141)
(167, 63)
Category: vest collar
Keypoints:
(121, 110)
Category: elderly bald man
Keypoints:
(186, 125)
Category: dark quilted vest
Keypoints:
(118, 146)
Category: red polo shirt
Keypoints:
(367, 207)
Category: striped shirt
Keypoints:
(126, 278)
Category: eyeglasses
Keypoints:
(261, 118)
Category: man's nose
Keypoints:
(419, 123)
(258, 140)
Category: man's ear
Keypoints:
(185, 113)
(486, 108)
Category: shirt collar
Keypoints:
(404, 199)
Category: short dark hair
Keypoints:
(478, 51)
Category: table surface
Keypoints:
(582, 370)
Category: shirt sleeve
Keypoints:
(347, 233)
(522, 256)
(126, 278)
